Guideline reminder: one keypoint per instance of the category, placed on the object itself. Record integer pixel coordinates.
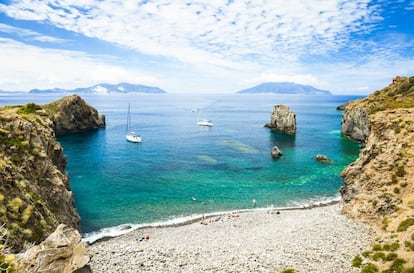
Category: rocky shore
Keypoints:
(307, 240)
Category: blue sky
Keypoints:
(211, 46)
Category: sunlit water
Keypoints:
(223, 167)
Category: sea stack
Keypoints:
(282, 120)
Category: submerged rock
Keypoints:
(282, 120)
(322, 158)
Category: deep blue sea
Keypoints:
(223, 167)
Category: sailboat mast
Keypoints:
(128, 119)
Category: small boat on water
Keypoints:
(131, 136)
(204, 122)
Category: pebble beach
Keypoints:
(308, 240)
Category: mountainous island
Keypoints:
(284, 88)
(104, 88)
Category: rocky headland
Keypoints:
(379, 185)
(282, 120)
(35, 194)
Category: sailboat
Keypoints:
(204, 122)
(131, 136)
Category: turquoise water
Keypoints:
(224, 167)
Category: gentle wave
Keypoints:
(119, 230)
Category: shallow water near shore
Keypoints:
(223, 167)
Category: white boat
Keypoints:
(131, 136)
(204, 122)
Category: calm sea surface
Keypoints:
(224, 167)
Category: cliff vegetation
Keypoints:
(35, 195)
(379, 186)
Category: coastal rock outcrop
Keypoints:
(282, 120)
(276, 152)
(322, 158)
(379, 185)
(355, 122)
(35, 194)
(63, 251)
(72, 115)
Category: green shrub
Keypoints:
(29, 108)
(400, 171)
(378, 255)
(409, 245)
(391, 256)
(397, 266)
(404, 225)
(6, 264)
(397, 190)
(369, 268)
(409, 270)
(391, 247)
(366, 254)
(357, 261)
(290, 270)
(377, 247)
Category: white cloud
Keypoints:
(210, 31)
(221, 45)
(26, 67)
(410, 6)
(28, 34)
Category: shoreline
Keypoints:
(108, 233)
(317, 239)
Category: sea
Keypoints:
(181, 171)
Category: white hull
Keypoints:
(132, 137)
(205, 122)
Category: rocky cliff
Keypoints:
(282, 120)
(35, 194)
(379, 186)
(72, 115)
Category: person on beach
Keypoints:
(254, 203)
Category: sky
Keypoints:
(206, 46)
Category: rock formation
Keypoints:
(61, 252)
(282, 120)
(355, 122)
(322, 158)
(35, 194)
(276, 153)
(73, 115)
(379, 185)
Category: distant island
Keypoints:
(284, 88)
(104, 88)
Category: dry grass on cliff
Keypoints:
(384, 178)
